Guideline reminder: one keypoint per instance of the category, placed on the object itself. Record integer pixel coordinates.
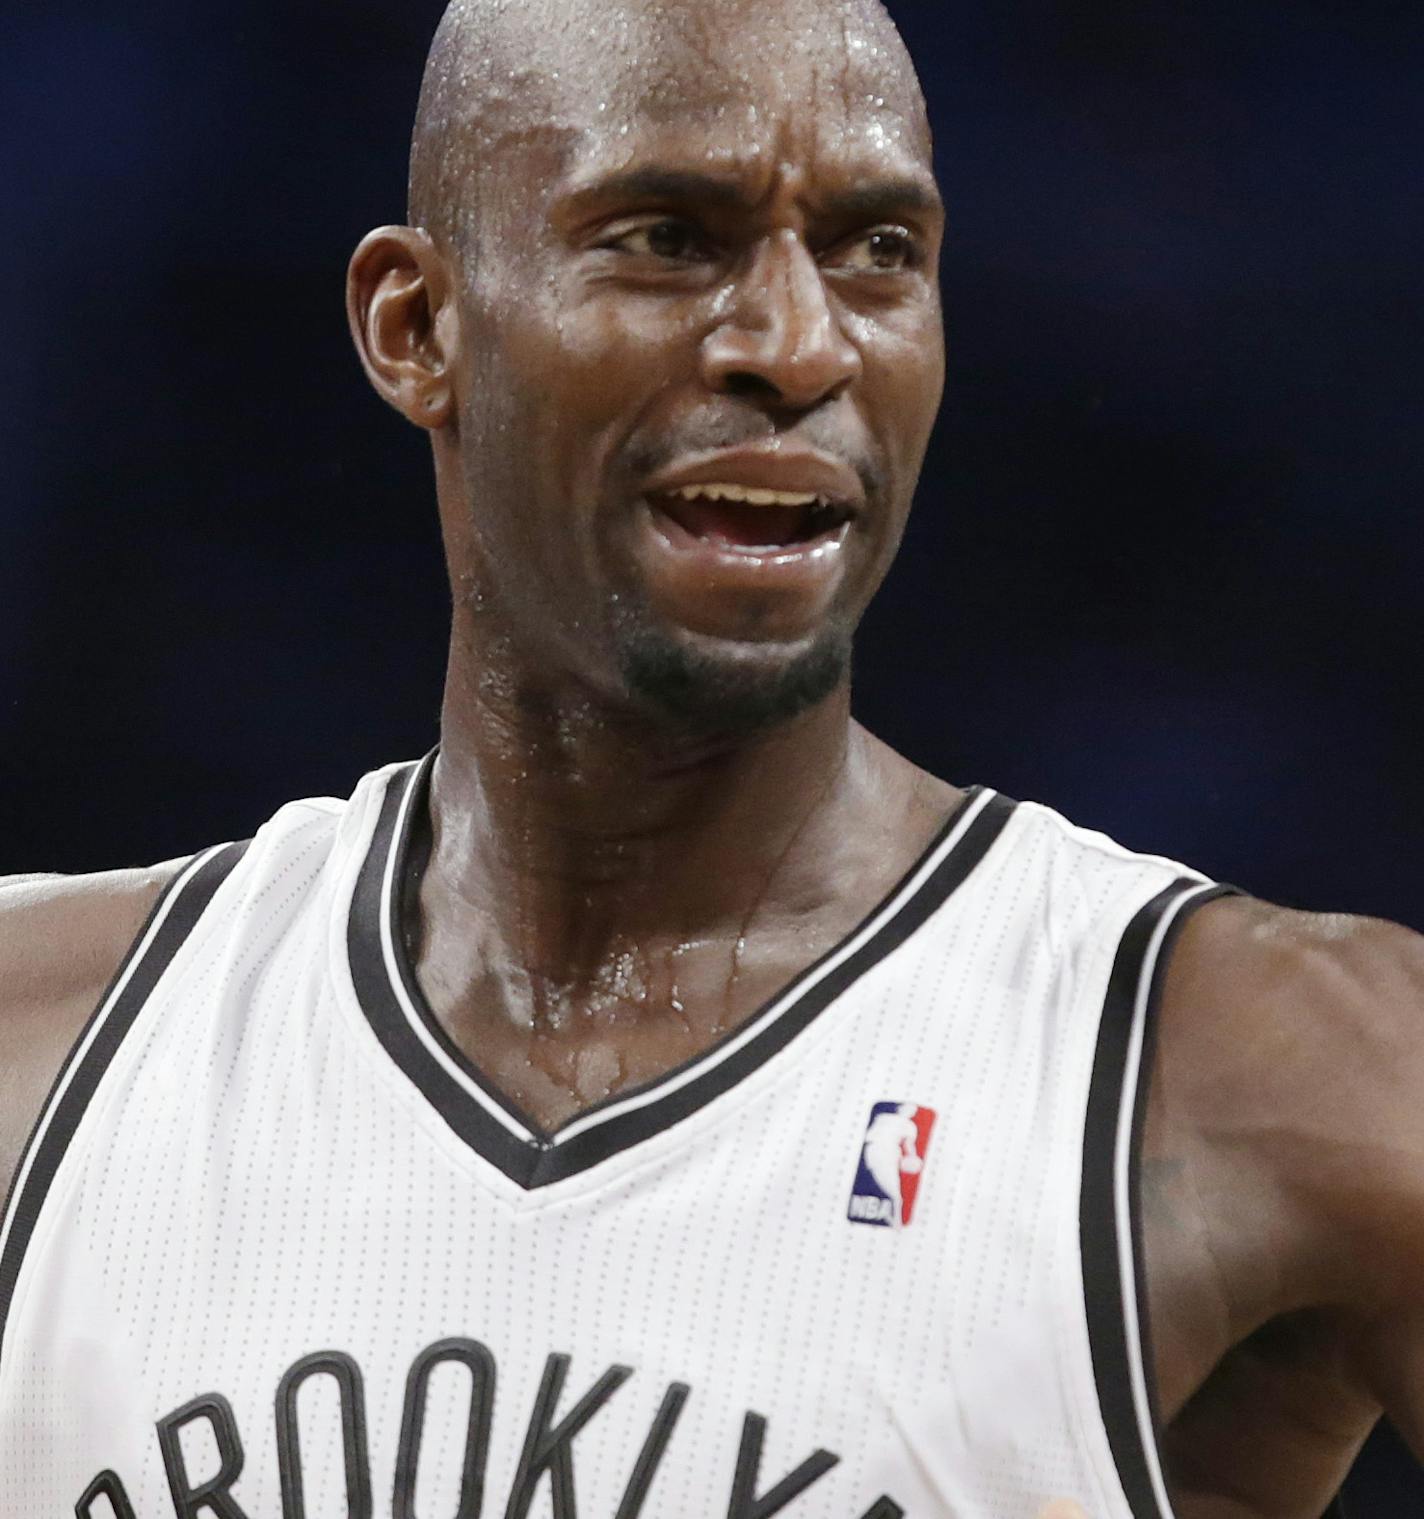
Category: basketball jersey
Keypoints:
(277, 1250)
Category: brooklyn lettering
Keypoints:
(546, 1456)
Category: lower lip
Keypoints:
(770, 590)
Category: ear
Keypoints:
(404, 323)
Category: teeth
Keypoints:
(717, 491)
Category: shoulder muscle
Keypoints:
(1286, 1086)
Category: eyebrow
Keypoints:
(879, 197)
(869, 199)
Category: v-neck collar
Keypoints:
(488, 1121)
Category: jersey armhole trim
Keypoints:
(172, 918)
(1110, 1221)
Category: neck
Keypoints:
(548, 808)
(576, 848)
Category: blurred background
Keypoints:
(1167, 567)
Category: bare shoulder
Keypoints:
(1282, 1199)
(1332, 958)
(1297, 1004)
(61, 940)
(1289, 1077)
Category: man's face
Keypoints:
(708, 259)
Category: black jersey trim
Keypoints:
(384, 881)
(386, 986)
(172, 918)
(1110, 1218)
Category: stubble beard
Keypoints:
(703, 691)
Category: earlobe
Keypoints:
(397, 302)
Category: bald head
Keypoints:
(504, 74)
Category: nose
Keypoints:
(781, 343)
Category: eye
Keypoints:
(884, 250)
(668, 238)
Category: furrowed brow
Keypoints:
(682, 187)
(882, 199)
(869, 199)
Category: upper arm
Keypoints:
(61, 940)
(1285, 1140)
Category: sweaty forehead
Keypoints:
(580, 80)
(666, 57)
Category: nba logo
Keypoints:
(892, 1159)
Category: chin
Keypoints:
(712, 685)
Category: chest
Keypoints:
(553, 1062)
(295, 1251)
(273, 1263)
(337, 1299)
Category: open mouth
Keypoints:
(752, 520)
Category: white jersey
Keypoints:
(277, 1251)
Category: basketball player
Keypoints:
(492, 1142)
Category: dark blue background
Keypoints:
(1167, 568)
